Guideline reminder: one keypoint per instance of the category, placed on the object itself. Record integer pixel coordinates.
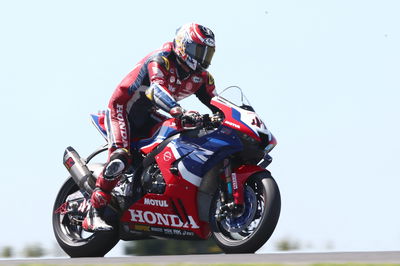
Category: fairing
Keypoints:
(183, 160)
(244, 120)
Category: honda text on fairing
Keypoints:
(189, 181)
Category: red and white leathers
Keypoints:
(158, 81)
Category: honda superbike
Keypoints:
(206, 179)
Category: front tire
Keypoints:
(246, 234)
(69, 233)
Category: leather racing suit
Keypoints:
(156, 82)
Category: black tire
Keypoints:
(71, 237)
(266, 215)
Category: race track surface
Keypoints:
(302, 258)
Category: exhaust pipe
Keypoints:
(76, 166)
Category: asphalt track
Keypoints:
(284, 258)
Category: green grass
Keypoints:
(225, 264)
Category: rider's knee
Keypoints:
(122, 154)
(117, 164)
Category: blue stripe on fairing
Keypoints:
(199, 155)
(161, 134)
(237, 116)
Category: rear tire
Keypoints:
(72, 238)
(247, 237)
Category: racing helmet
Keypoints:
(194, 45)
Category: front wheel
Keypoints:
(248, 232)
(68, 213)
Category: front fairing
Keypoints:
(243, 119)
(239, 118)
(197, 153)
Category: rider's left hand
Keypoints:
(191, 119)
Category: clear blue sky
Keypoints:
(323, 74)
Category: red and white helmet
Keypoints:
(195, 45)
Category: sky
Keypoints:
(323, 75)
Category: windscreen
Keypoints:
(235, 96)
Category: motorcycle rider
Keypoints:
(158, 81)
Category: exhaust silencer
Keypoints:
(76, 166)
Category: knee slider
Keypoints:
(118, 163)
(122, 154)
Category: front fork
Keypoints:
(231, 194)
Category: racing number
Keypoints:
(256, 121)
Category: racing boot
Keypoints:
(93, 221)
(101, 195)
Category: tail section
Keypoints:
(98, 122)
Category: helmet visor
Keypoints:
(202, 53)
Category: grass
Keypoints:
(225, 264)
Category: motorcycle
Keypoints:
(187, 182)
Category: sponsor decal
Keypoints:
(172, 79)
(209, 42)
(234, 181)
(207, 31)
(187, 233)
(168, 231)
(155, 202)
(163, 219)
(232, 124)
(122, 125)
(197, 79)
(141, 227)
(177, 232)
(69, 163)
(167, 156)
(156, 229)
(63, 209)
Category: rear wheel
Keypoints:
(67, 226)
(248, 232)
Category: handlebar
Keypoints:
(196, 120)
(212, 122)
